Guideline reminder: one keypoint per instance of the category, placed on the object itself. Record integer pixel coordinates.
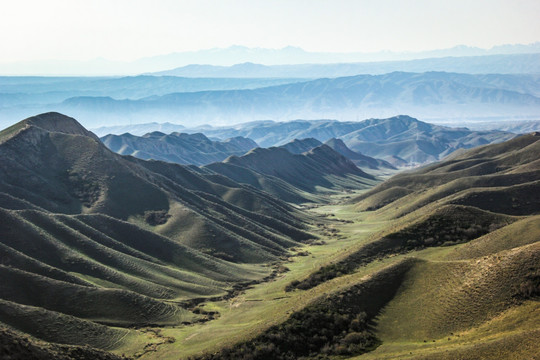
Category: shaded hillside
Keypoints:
(406, 304)
(321, 167)
(269, 184)
(501, 178)
(88, 236)
(16, 346)
(333, 324)
(445, 226)
(76, 174)
(179, 148)
(358, 159)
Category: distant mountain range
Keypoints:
(370, 144)
(189, 149)
(406, 138)
(488, 64)
(517, 127)
(434, 96)
(20, 90)
(240, 54)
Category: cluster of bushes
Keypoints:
(325, 273)
(218, 254)
(155, 218)
(445, 231)
(314, 331)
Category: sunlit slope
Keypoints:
(500, 178)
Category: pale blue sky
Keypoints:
(131, 29)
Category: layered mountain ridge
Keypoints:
(97, 238)
(432, 95)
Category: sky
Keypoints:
(126, 30)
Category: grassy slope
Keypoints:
(17, 346)
(482, 177)
(470, 287)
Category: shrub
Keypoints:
(155, 218)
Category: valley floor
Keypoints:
(439, 311)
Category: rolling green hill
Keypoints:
(500, 178)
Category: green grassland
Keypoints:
(443, 295)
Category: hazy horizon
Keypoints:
(61, 33)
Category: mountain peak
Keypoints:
(56, 122)
(51, 122)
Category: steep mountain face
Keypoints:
(88, 235)
(358, 159)
(299, 146)
(194, 149)
(430, 95)
(320, 167)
